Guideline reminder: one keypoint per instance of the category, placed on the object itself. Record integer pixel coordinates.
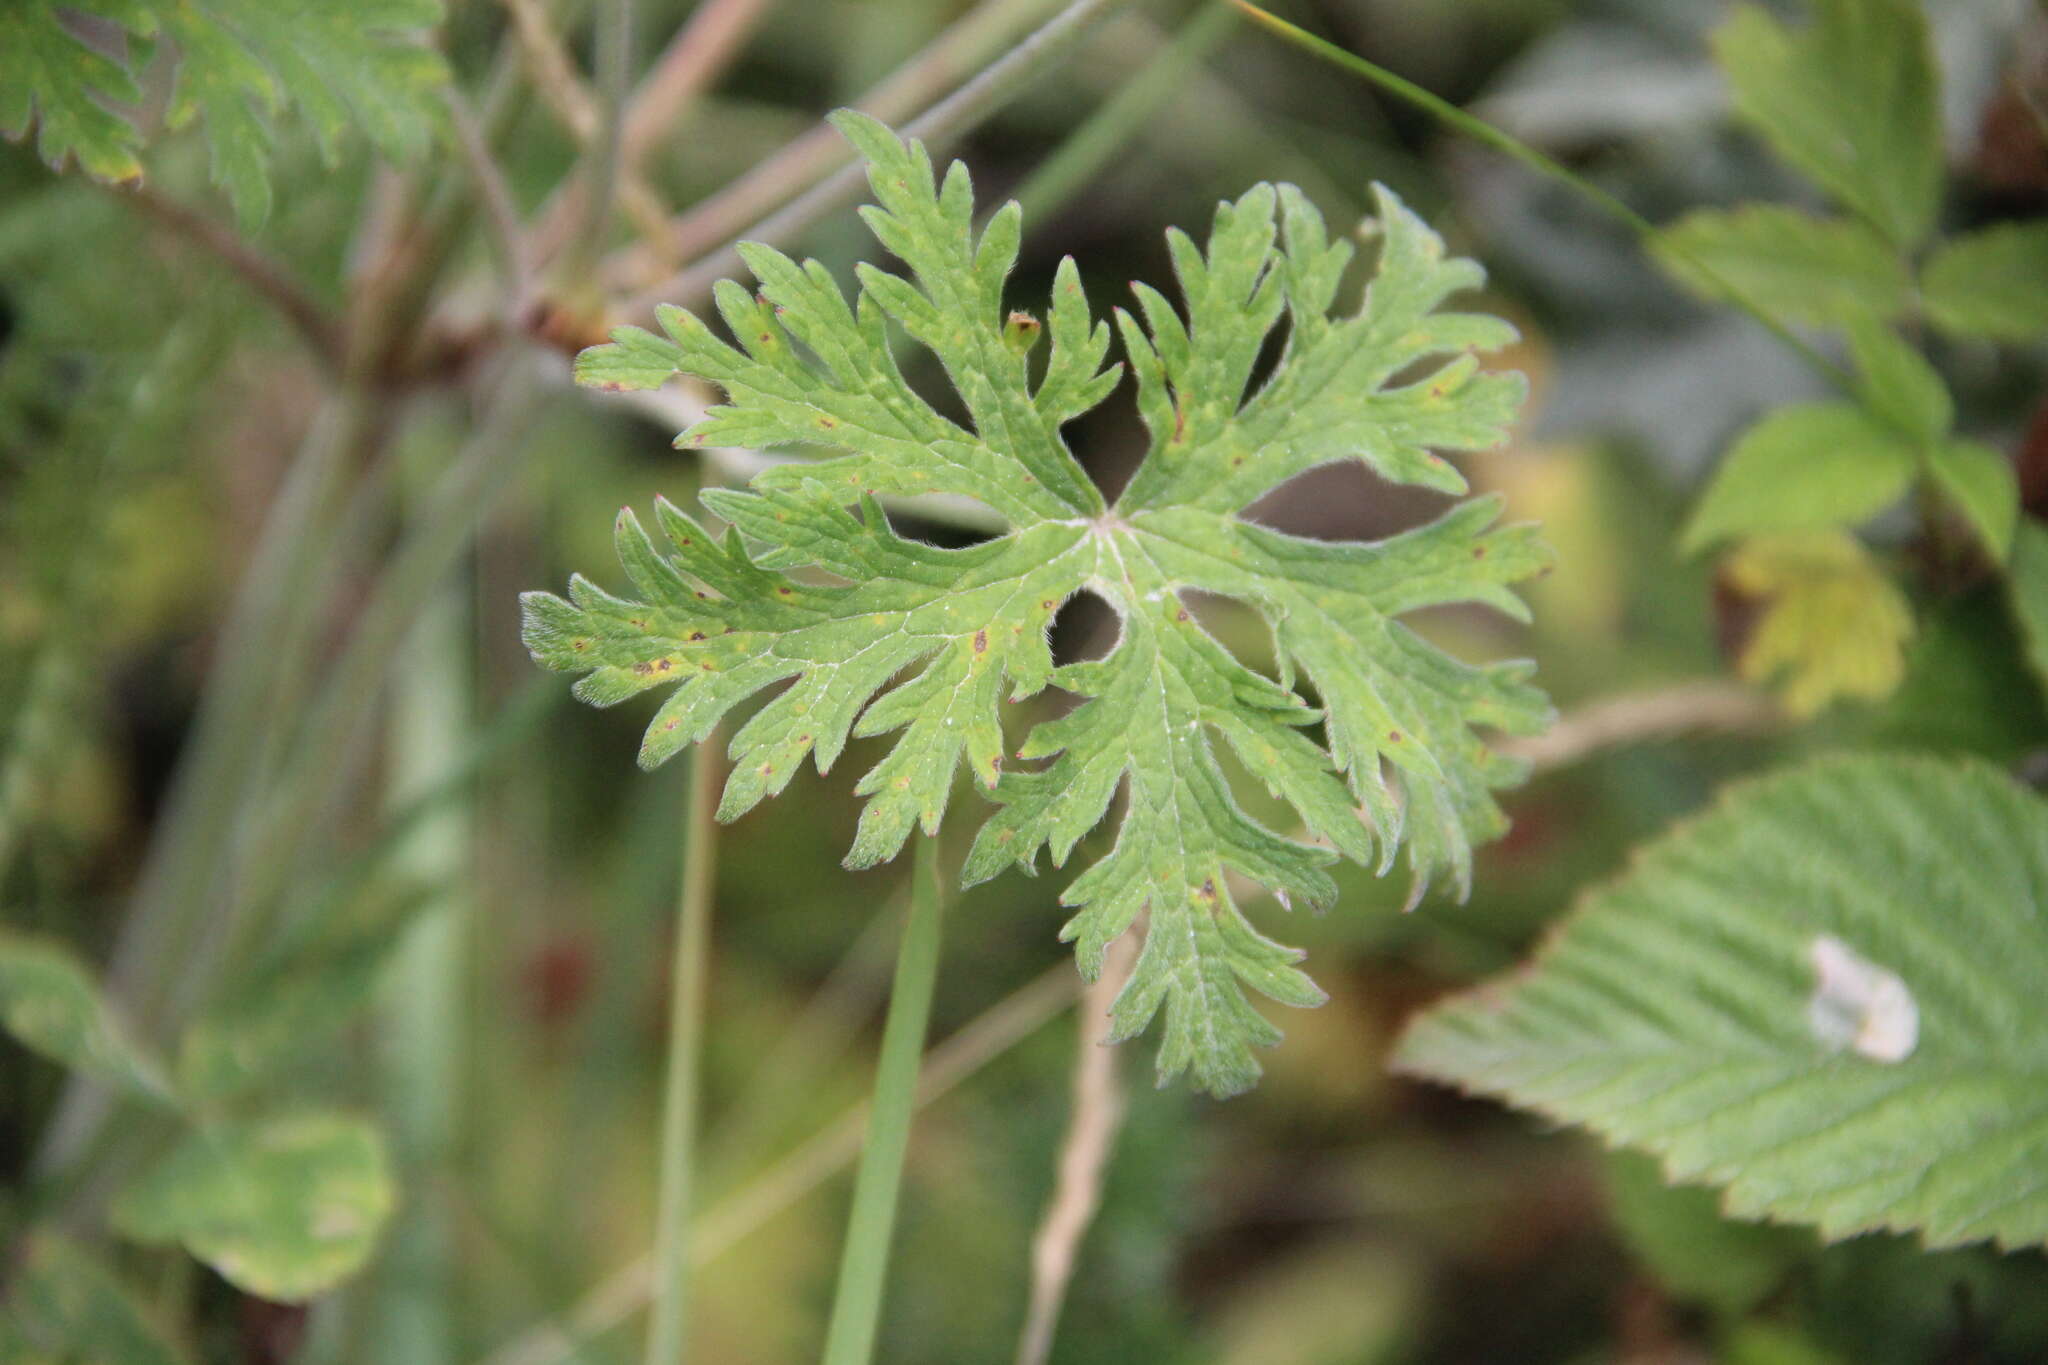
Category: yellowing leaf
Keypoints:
(1833, 625)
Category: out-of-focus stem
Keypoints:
(421, 1008)
(668, 1332)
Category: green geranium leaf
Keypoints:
(1981, 483)
(63, 1305)
(944, 635)
(284, 1208)
(1849, 99)
(50, 1002)
(1803, 268)
(1992, 283)
(1810, 466)
(340, 63)
(1824, 996)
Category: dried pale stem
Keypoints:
(1084, 1155)
(553, 70)
(701, 50)
(1645, 717)
(957, 114)
(500, 211)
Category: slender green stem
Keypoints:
(668, 1333)
(1479, 130)
(864, 1261)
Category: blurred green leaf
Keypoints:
(1849, 99)
(268, 1023)
(1981, 483)
(284, 1208)
(1390, 386)
(1801, 268)
(1823, 995)
(1897, 382)
(50, 1002)
(1992, 283)
(64, 1306)
(1695, 1250)
(2027, 585)
(1809, 466)
(240, 63)
(1770, 1343)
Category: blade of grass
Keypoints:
(668, 1332)
(871, 1226)
(1479, 130)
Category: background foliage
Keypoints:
(363, 928)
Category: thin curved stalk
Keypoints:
(668, 1331)
(1479, 130)
(864, 1260)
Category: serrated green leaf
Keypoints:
(1832, 626)
(1897, 382)
(284, 1208)
(50, 1002)
(1849, 99)
(63, 1305)
(1992, 283)
(240, 63)
(1805, 466)
(1805, 269)
(956, 630)
(1824, 996)
(1981, 483)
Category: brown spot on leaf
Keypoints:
(1181, 615)
(696, 635)
(981, 641)
(1393, 736)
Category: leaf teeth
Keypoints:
(878, 635)
(1822, 995)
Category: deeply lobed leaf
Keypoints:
(341, 63)
(878, 634)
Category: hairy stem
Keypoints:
(668, 1333)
